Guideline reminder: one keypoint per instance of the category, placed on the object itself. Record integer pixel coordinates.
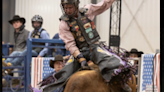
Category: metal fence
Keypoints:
(9, 78)
(27, 59)
(30, 45)
(5, 49)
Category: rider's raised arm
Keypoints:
(96, 9)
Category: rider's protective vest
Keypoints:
(82, 28)
(37, 36)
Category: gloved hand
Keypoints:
(84, 63)
(85, 66)
(82, 60)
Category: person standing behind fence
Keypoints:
(37, 33)
(20, 37)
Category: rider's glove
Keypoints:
(82, 60)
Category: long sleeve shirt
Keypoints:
(43, 35)
(93, 10)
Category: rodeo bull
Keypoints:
(92, 81)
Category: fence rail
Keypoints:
(29, 55)
(5, 49)
(27, 60)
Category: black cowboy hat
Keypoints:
(57, 58)
(135, 51)
(16, 17)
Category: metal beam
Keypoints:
(115, 23)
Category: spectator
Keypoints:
(20, 37)
(134, 53)
(57, 64)
(54, 52)
(37, 33)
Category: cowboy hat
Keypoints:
(57, 58)
(135, 51)
(16, 17)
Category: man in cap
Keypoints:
(37, 33)
(20, 38)
(81, 38)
